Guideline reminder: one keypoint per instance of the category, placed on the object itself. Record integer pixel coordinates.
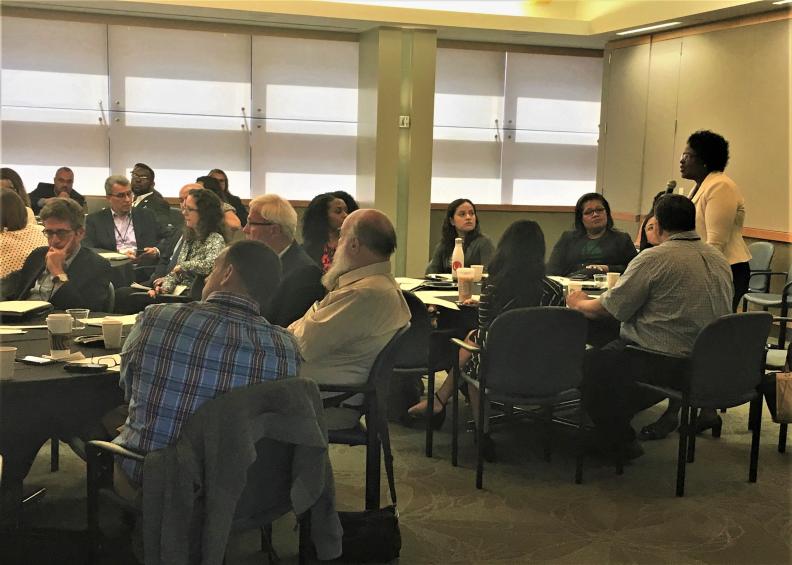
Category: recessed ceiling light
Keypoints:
(658, 26)
(782, 2)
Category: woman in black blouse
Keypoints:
(516, 280)
(594, 246)
(460, 220)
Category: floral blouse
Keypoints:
(327, 257)
(195, 258)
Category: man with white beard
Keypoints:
(341, 335)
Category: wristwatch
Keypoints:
(62, 278)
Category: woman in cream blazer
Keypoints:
(720, 206)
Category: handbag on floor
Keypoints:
(373, 536)
(784, 398)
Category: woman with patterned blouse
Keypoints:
(202, 242)
(18, 238)
(516, 280)
(321, 227)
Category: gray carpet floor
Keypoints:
(530, 510)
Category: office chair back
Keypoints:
(727, 361)
(761, 256)
(109, 305)
(535, 350)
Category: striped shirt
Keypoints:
(178, 356)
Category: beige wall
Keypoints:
(735, 81)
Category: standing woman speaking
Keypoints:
(720, 206)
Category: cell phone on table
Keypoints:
(33, 360)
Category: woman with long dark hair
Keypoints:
(202, 242)
(235, 201)
(594, 246)
(11, 180)
(460, 220)
(516, 280)
(232, 221)
(321, 226)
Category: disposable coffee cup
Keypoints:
(111, 333)
(478, 270)
(574, 286)
(465, 282)
(79, 315)
(7, 356)
(59, 329)
(601, 280)
(612, 279)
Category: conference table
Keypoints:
(45, 401)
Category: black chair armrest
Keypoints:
(654, 352)
(466, 346)
(116, 449)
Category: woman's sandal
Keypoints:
(658, 430)
(437, 417)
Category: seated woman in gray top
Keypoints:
(594, 246)
(461, 221)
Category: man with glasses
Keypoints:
(62, 186)
(133, 232)
(146, 197)
(64, 273)
(273, 221)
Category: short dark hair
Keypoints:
(148, 169)
(63, 170)
(675, 213)
(711, 149)
(211, 183)
(64, 209)
(581, 203)
(258, 267)
(378, 236)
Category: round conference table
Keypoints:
(46, 401)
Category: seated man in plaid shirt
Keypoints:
(178, 356)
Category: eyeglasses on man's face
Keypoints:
(261, 223)
(122, 195)
(60, 234)
(135, 175)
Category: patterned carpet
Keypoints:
(530, 510)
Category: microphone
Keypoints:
(669, 189)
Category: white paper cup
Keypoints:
(465, 281)
(601, 280)
(7, 356)
(478, 270)
(613, 278)
(574, 286)
(79, 315)
(59, 328)
(111, 333)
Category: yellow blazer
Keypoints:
(720, 213)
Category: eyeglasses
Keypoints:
(264, 223)
(593, 211)
(187, 209)
(59, 233)
(141, 177)
(121, 195)
(107, 360)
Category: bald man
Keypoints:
(341, 335)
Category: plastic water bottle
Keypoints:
(457, 257)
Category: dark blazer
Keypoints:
(100, 229)
(157, 205)
(88, 278)
(294, 258)
(297, 291)
(569, 256)
(47, 190)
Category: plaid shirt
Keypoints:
(178, 356)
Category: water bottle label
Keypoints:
(456, 265)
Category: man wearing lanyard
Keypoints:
(130, 231)
(64, 273)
